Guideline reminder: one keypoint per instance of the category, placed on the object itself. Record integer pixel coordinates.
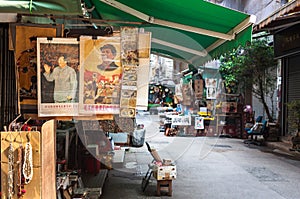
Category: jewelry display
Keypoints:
(10, 173)
(27, 164)
(24, 167)
(20, 185)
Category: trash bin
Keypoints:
(138, 137)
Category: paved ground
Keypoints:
(208, 168)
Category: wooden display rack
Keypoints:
(43, 183)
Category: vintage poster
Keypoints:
(58, 76)
(211, 88)
(199, 122)
(130, 63)
(25, 45)
(101, 71)
(144, 47)
(211, 82)
(211, 93)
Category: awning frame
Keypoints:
(288, 8)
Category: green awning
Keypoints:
(192, 30)
(61, 7)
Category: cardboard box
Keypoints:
(164, 172)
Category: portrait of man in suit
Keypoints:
(108, 54)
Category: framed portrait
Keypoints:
(24, 43)
(101, 70)
(58, 76)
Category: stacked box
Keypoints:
(164, 172)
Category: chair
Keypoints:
(164, 181)
(258, 120)
(149, 173)
(259, 129)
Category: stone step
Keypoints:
(286, 139)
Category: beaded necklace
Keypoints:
(20, 184)
(10, 173)
(27, 164)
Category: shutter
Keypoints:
(293, 78)
(293, 84)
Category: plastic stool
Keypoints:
(164, 184)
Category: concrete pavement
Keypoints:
(208, 168)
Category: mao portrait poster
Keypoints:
(58, 76)
(101, 71)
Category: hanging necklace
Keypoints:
(21, 190)
(27, 164)
(10, 173)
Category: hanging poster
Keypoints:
(130, 63)
(58, 76)
(199, 123)
(144, 45)
(24, 42)
(101, 70)
(211, 82)
(211, 88)
(211, 93)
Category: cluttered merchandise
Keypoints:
(78, 98)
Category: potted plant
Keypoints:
(253, 68)
(294, 122)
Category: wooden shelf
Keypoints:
(230, 113)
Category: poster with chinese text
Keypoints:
(101, 71)
(58, 76)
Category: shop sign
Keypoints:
(287, 41)
(181, 120)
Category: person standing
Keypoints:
(65, 81)
(47, 87)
